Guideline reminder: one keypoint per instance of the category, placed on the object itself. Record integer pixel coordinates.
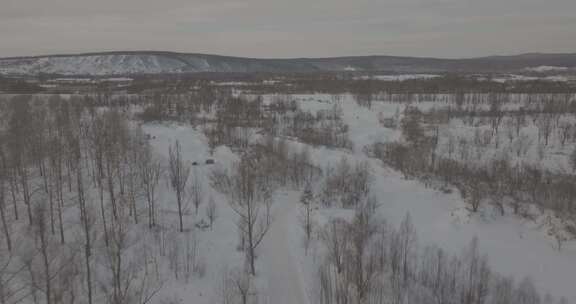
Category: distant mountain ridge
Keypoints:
(158, 62)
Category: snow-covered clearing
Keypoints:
(285, 283)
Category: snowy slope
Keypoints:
(93, 65)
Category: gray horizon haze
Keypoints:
(289, 29)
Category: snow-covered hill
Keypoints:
(103, 64)
(129, 63)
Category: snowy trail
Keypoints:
(280, 269)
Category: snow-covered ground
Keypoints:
(547, 68)
(515, 246)
(279, 277)
(515, 77)
(401, 77)
(217, 246)
(280, 269)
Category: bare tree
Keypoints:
(128, 282)
(476, 275)
(97, 146)
(473, 191)
(242, 285)
(410, 124)
(564, 130)
(134, 187)
(407, 242)
(179, 171)
(247, 193)
(56, 171)
(196, 192)
(40, 228)
(85, 216)
(496, 114)
(115, 259)
(212, 211)
(522, 144)
(496, 183)
(20, 132)
(307, 200)
(3, 216)
(362, 260)
(335, 238)
(510, 133)
(519, 120)
(12, 291)
(573, 159)
(545, 126)
(150, 172)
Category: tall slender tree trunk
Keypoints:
(59, 192)
(179, 198)
(60, 207)
(110, 179)
(45, 260)
(3, 217)
(50, 191)
(103, 214)
(26, 191)
(13, 191)
(86, 226)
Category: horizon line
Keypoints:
(157, 52)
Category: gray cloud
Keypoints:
(289, 28)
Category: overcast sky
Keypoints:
(289, 28)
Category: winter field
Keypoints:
(235, 197)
